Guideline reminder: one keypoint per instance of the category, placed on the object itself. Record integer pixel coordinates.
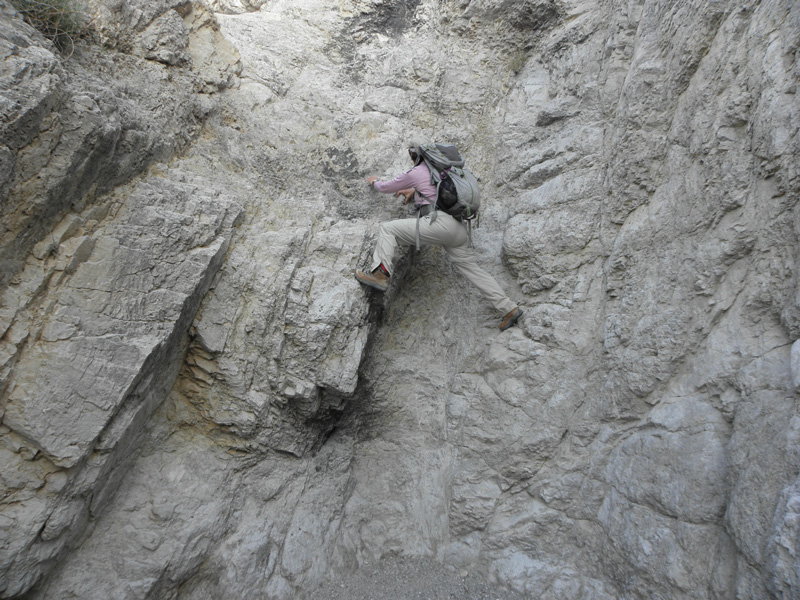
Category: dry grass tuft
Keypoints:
(61, 21)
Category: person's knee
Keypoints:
(397, 232)
(385, 229)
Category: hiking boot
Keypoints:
(510, 318)
(379, 280)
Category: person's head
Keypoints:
(413, 152)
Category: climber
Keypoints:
(445, 231)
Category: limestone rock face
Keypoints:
(199, 401)
(106, 310)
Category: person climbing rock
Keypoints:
(444, 230)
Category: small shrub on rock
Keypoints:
(61, 21)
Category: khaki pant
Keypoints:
(445, 232)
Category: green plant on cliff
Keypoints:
(59, 20)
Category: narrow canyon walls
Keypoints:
(199, 401)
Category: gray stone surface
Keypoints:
(73, 129)
(103, 346)
(199, 400)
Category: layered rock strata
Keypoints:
(98, 286)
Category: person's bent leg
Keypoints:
(444, 231)
(450, 234)
(390, 235)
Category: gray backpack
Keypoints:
(457, 191)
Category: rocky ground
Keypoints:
(401, 579)
(199, 401)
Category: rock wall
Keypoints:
(102, 276)
(199, 401)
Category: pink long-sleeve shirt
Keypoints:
(418, 178)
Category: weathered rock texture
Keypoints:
(199, 401)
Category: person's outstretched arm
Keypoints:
(417, 179)
(403, 181)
